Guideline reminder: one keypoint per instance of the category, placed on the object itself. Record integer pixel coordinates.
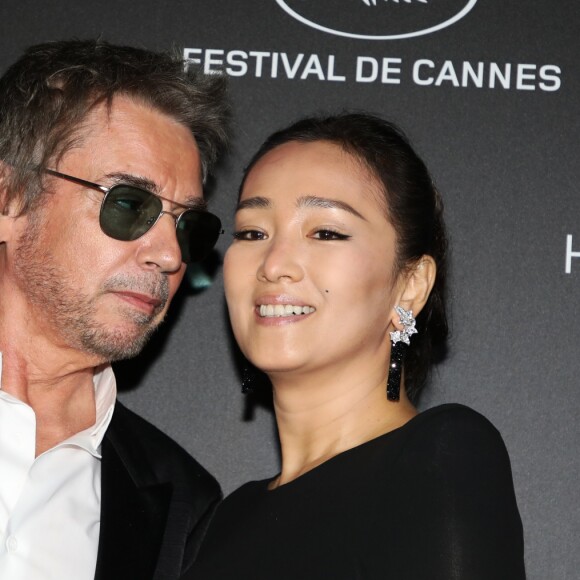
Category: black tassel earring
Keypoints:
(249, 377)
(395, 368)
(400, 341)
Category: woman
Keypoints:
(339, 247)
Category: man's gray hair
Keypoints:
(47, 94)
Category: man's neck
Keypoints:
(61, 394)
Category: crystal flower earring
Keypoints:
(400, 341)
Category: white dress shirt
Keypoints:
(50, 505)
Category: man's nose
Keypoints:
(160, 248)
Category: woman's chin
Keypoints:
(280, 369)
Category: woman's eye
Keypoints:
(249, 235)
(329, 235)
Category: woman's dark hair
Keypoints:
(46, 96)
(413, 206)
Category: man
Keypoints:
(103, 151)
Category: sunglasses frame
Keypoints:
(106, 190)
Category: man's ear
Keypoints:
(416, 284)
(9, 208)
(6, 221)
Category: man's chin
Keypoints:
(118, 344)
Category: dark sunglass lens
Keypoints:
(197, 234)
(128, 212)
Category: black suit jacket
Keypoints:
(156, 501)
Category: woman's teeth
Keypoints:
(273, 310)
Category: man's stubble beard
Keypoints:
(73, 314)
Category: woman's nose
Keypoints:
(282, 259)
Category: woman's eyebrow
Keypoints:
(325, 202)
(259, 202)
(253, 203)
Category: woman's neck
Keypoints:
(321, 417)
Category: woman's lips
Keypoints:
(280, 310)
(275, 309)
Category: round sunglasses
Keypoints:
(128, 212)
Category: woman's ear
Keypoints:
(416, 284)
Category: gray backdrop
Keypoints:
(491, 100)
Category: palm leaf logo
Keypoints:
(374, 2)
(396, 16)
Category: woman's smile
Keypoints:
(280, 310)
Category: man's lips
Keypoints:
(143, 301)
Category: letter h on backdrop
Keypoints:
(570, 254)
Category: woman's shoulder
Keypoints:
(249, 489)
(454, 439)
(246, 497)
(452, 419)
(453, 483)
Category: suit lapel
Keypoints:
(133, 511)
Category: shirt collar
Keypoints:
(105, 396)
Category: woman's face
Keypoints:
(309, 278)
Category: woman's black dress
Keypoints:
(432, 500)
